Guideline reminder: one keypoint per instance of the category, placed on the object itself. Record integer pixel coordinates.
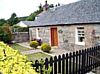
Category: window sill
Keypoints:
(80, 43)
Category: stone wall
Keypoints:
(97, 34)
(20, 37)
(32, 33)
(66, 36)
(43, 32)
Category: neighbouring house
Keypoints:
(20, 31)
(72, 27)
(24, 23)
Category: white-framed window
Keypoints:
(80, 36)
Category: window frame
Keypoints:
(77, 35)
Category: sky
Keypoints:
(24, 7)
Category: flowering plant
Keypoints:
(38, 40)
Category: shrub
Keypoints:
(45, 47)
(12, 62)
(16, 28)
(5, 34)
(38, 40)
(34, 44)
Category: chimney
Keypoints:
(46, 6)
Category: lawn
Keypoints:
(19, 47)
(37, 56)
(31, 57)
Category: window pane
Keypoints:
(80, 39)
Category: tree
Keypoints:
(2, 21)
(32, 16)
(5, 33)
(40, 8)
(13, 19)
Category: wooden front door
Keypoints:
(54, 37)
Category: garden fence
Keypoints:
(79, 62)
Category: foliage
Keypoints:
(22, 18)
(38, 40)
(2, 21)
(19, 29)
(5, 33)
(34, 44)
(45, 71)
(12, 62)
(45, 47)
(32, 16)
(13, 19)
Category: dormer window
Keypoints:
(80, 36)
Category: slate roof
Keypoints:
(28, 23)
(84, 11)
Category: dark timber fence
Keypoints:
(79, 62)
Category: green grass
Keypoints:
(37, 56)
(19, 48)
(31, 57)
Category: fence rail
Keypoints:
(79, 62)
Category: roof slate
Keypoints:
(84, 11)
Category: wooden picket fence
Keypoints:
(79, 62)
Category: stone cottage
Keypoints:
(72, 27)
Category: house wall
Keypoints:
(43, 32)
(66, 36)
(32, 33)
(97, 34)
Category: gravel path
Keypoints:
(31, 51)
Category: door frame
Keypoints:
(52, 32)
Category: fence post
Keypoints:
(94, 55)
(70, 56)
(67, 63)
(59, 64)
(63, 64)
(37, 65)
(92, 60)
(83, 62)
(79, 66)
(73, 69)
(46, 64)
(86, 60)
(51, 64)
(77, 62)
(55, 65)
